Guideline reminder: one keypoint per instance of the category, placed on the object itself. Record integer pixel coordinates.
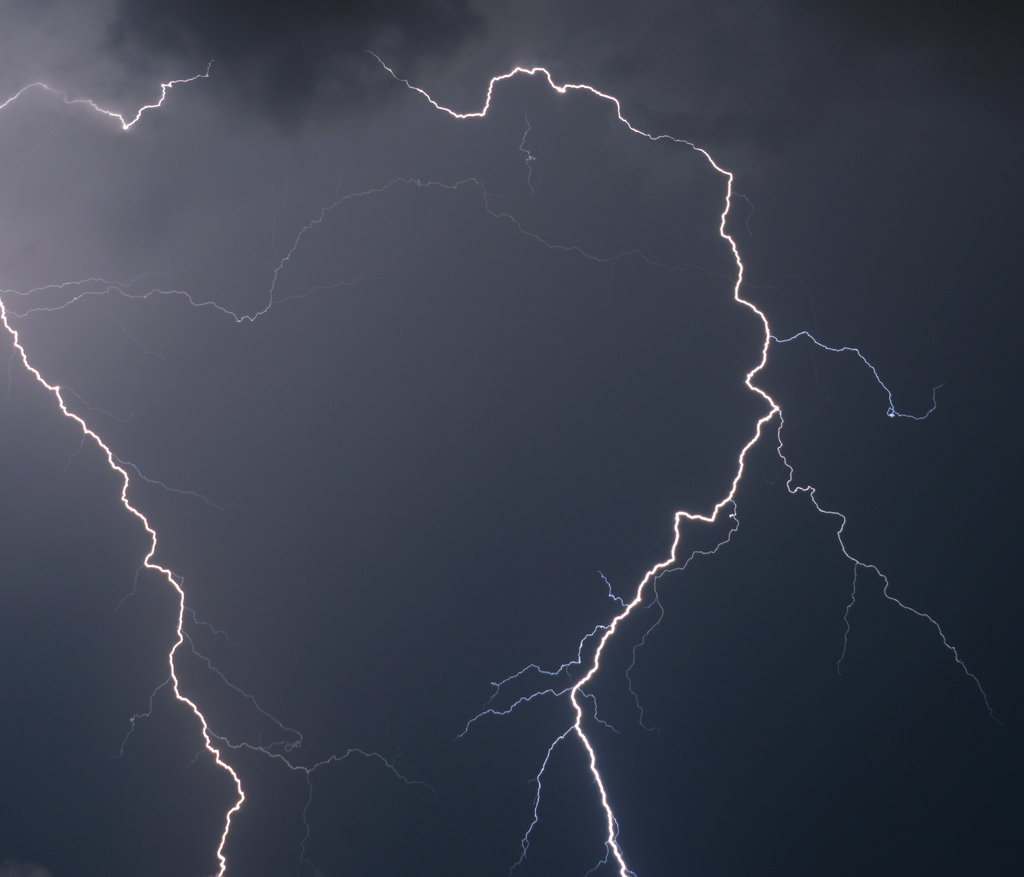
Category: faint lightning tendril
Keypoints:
(846, 622)
(528, 157)
(891, 410)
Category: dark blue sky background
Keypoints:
(415, 467)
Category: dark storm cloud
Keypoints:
(287, 57)
(973, 46)
(951, 22)
(732, 70)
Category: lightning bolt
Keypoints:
(603, 634)
(115, 465)
(149, 563)
(125, 122)
(578, 673)
(213, 744)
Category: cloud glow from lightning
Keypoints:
(576, 674)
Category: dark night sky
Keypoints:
(413, 467)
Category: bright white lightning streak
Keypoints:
(575, 692)
(611, 839)
(115, 465)
(213, 742)
(165, 573)
(126, 123)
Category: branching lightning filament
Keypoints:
(603, 634)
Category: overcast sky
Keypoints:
(410, 400)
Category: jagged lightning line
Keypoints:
(147, 562)
(164, 572)
(181, 491)
(142, 475)
(126, 123)
(538, 778)
(710, 552)
(607, 632)
(891, 411)
(611, 839)
(611, 593)
(811, 492)
(213, 743)
(858, 564)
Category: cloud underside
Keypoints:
(285, 57)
